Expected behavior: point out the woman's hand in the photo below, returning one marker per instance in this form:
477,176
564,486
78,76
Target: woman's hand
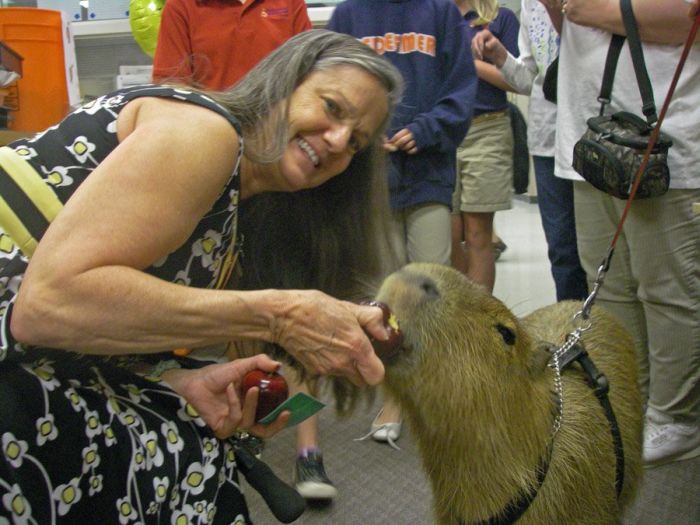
485,46
214,392
552,4
694,8
329,336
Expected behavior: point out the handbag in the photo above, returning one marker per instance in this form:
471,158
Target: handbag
521,153
610,152
549,83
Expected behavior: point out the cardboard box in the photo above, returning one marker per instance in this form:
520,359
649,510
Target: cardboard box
8,135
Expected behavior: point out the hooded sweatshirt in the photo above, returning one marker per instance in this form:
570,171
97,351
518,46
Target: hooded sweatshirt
428,41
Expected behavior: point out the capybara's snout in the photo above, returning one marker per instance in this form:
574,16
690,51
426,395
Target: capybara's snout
445,318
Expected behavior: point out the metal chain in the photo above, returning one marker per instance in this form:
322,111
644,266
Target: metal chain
581,322
571,339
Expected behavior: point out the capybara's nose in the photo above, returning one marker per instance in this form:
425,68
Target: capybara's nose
429,289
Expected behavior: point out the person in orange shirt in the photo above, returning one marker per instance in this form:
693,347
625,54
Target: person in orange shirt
213,43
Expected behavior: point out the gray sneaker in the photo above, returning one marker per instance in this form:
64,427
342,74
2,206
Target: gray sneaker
310,479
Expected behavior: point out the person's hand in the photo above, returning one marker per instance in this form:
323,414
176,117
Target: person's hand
214,392
485,46
389,146
552,4
402,140
330,337
694,8
586,12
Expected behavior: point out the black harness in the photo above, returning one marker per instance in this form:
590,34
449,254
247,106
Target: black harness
599,383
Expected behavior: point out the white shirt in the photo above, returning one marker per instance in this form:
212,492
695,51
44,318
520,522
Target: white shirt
538,43
581,63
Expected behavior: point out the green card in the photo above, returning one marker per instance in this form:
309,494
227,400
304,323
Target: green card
301,406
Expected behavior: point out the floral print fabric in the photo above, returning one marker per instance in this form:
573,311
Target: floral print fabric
83,438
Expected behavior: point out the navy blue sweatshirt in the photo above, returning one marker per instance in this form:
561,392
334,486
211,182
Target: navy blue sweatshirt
428,41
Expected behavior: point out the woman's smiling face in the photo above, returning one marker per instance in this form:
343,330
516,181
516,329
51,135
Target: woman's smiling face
333,114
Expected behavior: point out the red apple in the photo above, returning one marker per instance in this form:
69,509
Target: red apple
388,348
273,390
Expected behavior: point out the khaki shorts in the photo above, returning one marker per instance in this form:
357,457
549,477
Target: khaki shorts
485,166
422,234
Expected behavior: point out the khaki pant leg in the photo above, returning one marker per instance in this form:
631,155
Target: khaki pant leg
422,234
653,285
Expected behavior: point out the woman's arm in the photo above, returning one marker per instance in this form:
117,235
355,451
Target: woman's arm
517,73
659,21
85,290
555,11
491,74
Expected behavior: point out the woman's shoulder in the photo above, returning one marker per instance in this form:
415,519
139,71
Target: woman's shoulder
193,119
185,126
175,107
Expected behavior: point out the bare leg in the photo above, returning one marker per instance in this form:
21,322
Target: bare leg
391,411
458,258
307,430
478,232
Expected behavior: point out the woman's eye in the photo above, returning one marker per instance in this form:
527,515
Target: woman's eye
355,144
332,106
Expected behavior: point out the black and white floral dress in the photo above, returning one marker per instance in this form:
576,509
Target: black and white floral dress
85,439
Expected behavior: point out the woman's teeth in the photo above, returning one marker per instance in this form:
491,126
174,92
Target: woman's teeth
308,150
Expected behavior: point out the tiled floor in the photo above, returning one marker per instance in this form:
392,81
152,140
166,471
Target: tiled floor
523,278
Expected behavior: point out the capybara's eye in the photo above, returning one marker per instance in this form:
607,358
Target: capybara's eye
429,289
506,333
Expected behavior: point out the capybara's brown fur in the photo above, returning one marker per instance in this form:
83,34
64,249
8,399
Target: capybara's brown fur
481,403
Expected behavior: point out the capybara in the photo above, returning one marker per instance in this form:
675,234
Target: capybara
479,396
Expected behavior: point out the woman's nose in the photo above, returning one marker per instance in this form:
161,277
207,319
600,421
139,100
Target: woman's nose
338,137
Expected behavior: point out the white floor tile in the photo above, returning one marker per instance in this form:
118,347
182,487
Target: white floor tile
523,277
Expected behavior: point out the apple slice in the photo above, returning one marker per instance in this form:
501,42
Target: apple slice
390,347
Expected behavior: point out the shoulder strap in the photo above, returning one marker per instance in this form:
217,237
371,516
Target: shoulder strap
640,70
609,73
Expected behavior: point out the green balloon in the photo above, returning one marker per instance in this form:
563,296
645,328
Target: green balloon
144,18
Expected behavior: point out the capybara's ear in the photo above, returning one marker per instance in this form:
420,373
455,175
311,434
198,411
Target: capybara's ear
539,358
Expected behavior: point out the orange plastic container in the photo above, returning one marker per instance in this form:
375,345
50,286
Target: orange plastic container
37,35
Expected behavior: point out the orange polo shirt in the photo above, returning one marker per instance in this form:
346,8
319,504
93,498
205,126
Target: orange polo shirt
213,43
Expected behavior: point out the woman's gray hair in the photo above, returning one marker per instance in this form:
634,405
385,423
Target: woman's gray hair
259,100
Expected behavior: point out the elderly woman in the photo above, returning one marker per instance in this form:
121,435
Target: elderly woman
145,189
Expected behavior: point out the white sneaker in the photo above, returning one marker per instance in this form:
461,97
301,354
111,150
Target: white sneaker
666,441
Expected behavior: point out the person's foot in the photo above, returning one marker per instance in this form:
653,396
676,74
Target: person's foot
498,248
386,429
310,479
666,441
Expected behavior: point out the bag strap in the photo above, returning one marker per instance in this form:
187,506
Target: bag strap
640,70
